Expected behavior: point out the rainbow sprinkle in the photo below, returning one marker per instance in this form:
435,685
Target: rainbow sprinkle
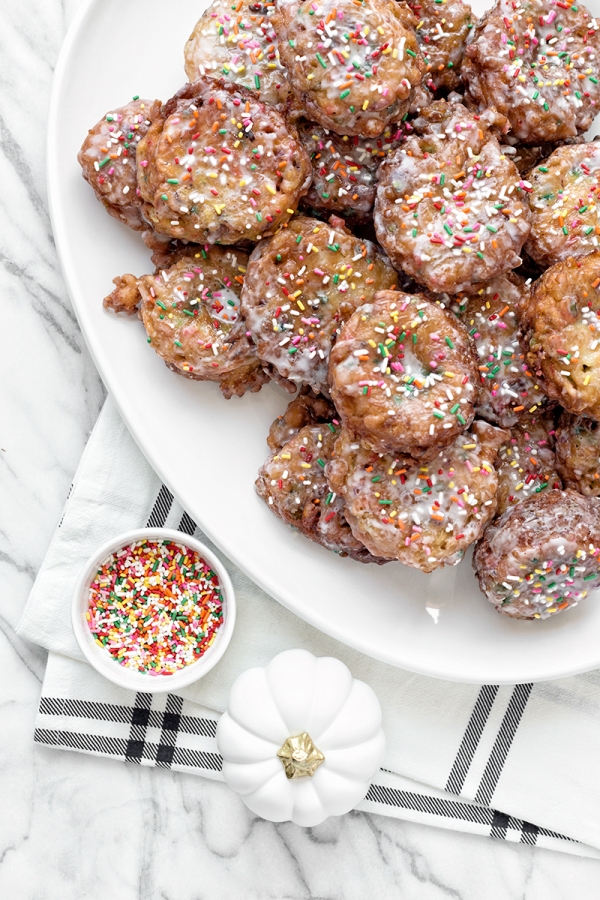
155,606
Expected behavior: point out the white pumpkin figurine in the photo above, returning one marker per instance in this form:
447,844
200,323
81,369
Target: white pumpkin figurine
301,739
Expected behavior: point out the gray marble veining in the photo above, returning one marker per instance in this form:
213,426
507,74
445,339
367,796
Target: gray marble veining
73,826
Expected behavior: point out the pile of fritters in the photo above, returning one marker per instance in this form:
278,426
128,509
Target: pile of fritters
390,210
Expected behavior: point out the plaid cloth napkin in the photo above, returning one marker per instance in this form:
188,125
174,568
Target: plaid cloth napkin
488,760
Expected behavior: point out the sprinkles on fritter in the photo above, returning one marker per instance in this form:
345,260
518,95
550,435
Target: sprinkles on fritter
451,208
537,62
237,41
352,65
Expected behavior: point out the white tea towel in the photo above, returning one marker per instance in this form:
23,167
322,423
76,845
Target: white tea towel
504,752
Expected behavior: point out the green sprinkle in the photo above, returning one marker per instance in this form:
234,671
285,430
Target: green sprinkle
257,82
438,414
449,342
589,577
104,162
455,409
344,94
259,217
331,428
178,344
595,80
411,52
292,350
546,107
188,312
385,502
299,238
565,230
161,304
492,228
321,60
329,499
321,462
536,94
480,254
447,229
164,197
376,478
461,419
172,180
589,229
414,232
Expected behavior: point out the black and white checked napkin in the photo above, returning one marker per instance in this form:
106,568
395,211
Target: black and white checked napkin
488,760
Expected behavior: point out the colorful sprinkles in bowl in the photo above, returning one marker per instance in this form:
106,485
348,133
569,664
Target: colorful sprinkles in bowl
155,605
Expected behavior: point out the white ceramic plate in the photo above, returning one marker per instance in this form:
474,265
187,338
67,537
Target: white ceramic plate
208,450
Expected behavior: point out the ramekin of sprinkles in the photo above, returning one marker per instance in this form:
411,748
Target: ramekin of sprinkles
153,610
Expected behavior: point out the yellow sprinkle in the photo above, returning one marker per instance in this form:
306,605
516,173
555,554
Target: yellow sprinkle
586,380
305,465
365,104
271,189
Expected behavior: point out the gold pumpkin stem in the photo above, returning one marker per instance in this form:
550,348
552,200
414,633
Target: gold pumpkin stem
299,756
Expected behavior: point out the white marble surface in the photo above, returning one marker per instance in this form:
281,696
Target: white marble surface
76,827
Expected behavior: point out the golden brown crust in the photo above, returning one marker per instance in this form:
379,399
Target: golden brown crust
442,32
317,43
403,375
526,463
108,159
126,297
563,202
292,482
239,44
220,166
301,285
562,333
424,516
307,408
542,556
449,209
578,453
515,47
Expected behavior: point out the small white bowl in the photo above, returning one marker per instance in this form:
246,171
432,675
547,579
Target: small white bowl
101,660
